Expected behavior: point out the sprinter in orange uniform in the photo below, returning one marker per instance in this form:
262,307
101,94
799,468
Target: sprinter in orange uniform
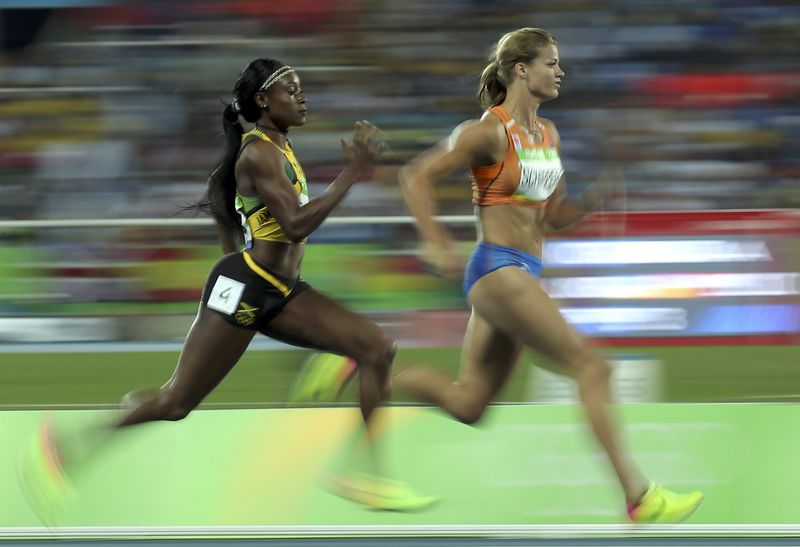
518,190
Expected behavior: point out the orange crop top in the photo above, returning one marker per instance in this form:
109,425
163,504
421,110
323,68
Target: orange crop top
527,175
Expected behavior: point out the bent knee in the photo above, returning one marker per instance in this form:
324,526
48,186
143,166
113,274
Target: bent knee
470,408
469,416
378,353
175,407
594,369
584,360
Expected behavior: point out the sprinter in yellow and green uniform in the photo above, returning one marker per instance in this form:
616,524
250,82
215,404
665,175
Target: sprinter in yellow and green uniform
257,194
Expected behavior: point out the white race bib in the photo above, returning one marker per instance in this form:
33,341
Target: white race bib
225,295
540,171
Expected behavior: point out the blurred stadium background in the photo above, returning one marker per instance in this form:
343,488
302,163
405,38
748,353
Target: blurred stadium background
111,111
110,119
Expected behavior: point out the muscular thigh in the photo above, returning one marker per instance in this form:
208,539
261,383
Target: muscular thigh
314,320
213,346
488,357
514,302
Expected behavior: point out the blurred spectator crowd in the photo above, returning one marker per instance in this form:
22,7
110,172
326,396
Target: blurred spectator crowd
113,109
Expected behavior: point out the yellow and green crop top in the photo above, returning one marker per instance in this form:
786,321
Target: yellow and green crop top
257,222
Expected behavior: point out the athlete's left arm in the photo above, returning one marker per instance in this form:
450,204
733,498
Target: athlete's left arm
560,211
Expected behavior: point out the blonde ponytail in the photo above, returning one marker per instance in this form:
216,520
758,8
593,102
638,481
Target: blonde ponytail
492,90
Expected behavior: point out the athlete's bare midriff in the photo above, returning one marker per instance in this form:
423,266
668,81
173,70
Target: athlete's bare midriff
518,226
280,258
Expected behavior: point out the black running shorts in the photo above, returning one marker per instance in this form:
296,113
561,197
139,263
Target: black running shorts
247,294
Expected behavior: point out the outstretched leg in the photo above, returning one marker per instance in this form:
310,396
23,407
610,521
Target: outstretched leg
511,300
212,348
487,359
515,303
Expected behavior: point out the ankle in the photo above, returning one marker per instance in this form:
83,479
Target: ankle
636,500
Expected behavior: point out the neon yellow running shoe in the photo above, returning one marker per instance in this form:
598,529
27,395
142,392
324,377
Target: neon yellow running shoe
41,475
322,378
661,506
378,493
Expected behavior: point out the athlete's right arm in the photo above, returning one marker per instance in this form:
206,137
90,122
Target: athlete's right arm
472,143
266,166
